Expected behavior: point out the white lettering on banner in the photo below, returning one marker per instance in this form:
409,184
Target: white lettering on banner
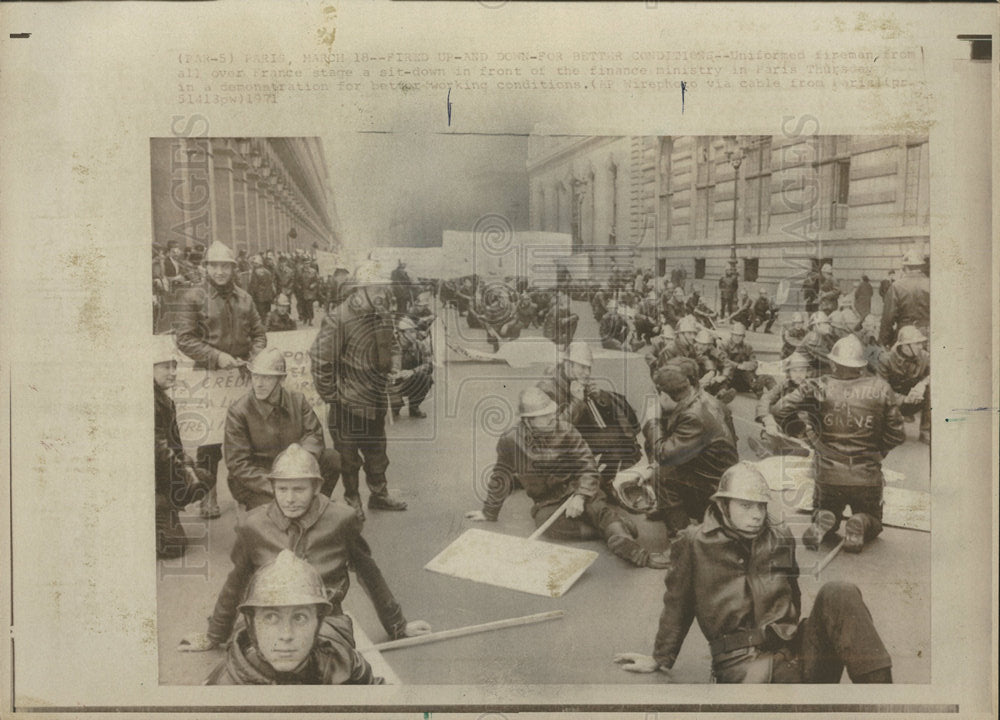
203,396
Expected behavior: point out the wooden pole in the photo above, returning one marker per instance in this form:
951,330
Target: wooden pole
552,518
828,559
469,630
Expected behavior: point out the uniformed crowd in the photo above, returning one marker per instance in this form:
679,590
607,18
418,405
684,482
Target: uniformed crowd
577,450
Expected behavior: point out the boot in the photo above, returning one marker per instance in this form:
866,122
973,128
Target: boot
622,545
854,534
823,522
416,412
727,395
384,502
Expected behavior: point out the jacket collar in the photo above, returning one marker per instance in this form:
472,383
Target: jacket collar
308,519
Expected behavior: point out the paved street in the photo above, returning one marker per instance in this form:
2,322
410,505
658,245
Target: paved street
437,466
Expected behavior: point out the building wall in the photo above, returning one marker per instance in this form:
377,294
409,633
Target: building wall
857,201
248,194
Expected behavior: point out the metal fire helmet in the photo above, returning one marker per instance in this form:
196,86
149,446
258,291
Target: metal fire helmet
913,259
743,481
738,329
219,252
164,348
580,352
286,582
634,495
818,317
534,403
283,300
848,352
270,361
295,463
909,335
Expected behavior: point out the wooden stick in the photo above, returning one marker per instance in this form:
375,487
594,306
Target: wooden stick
552,518
828,559
469,630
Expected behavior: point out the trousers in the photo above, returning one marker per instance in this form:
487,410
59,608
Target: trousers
361,442
839,634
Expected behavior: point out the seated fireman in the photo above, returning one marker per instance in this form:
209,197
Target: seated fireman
605,419
262,424
321,531
736,574
553,463
280,643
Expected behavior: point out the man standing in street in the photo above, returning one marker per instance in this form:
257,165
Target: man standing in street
352,360
857,424
907,302
728,285
829,291
262,424
218,327
261,286
817,343
863,297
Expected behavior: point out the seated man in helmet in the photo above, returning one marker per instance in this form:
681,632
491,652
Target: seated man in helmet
857,424
796,368
647,317
280,318
280,643
792,334
550,459
681,346
907,369
764,312
658,345
700,311
605,419
691,444
843,322
744,308
415,378
323,532
715,367
736,574
422,310
743,363
262,424
178,480
614,328
817,343
561,322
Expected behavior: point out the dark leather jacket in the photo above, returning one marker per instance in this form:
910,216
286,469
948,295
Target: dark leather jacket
550,467
352,357
728,584
907,302
327,536
257,431
858,424
214,319
696,439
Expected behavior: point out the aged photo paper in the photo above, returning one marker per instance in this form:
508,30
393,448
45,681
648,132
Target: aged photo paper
365,252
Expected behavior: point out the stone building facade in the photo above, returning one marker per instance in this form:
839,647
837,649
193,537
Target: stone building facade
857,202
249,193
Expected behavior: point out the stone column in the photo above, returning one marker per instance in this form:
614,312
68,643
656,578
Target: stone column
240,230
222,192
253,224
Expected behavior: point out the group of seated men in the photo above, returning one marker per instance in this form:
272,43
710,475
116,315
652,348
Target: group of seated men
576,450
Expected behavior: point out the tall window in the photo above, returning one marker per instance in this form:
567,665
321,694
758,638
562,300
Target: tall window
699,268
916,208
704,187
664,208
751,266
757,198
841,194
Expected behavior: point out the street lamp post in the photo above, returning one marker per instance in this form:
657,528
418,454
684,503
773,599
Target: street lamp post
735,152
